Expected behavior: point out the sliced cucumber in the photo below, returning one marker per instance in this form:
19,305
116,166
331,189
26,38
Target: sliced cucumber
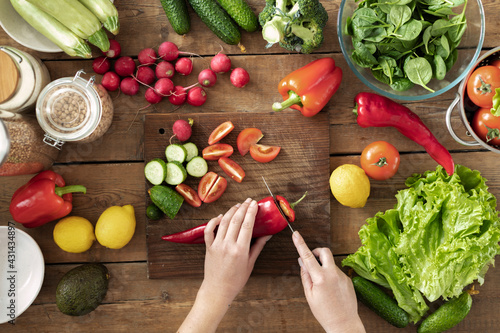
176,173
191,149
155,171
176,152
197,167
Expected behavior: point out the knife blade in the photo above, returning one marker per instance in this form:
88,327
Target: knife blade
277,204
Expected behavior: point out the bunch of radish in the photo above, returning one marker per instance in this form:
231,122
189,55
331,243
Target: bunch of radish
155,71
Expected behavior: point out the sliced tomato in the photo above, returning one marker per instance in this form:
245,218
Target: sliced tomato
216,151
220,132
247,138
206,184
189,195
216,190
232,169
264,154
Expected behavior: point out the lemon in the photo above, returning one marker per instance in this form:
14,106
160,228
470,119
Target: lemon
115,226
74,234
350,185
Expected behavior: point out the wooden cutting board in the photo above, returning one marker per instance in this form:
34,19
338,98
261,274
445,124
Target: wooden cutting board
302,165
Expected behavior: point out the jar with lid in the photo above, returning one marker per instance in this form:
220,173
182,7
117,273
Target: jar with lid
74,109
28,154
22,78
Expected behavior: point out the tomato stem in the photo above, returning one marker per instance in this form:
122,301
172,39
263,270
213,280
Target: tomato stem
485,87
381,162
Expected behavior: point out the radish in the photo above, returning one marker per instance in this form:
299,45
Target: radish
182,129
220,63
164,69
184,66
152,97
101,65
129,86
196,96
147,56
169,51
145,75
178,96
239,77
114,49
164,86
110,81
124,66
207,77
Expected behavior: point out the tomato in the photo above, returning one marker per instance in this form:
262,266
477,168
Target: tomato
232,169
247,138
189,195
211,187
481,85
495,63
264,154
486,126
216,151
220,132
380,160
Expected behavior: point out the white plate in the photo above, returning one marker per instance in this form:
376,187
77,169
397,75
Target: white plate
29,268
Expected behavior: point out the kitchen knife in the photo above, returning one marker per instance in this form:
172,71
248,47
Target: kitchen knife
277,204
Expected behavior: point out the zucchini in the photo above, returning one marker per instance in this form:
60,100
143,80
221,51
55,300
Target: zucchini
176,173
177,15
447,315
167,199
106,12
217,20
52,29
241,13
381,303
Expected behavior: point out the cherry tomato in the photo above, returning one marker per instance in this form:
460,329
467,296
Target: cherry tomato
216,151
487,126
247,138
220,132
211,187
380,160
189,195
495,63
481,85
264,154
232,169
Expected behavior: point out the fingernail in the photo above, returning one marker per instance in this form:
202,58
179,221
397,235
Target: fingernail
269,237
237,205
253,203
295,234
300,262
220,215
248,200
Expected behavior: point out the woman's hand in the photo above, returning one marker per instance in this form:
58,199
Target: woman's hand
328,290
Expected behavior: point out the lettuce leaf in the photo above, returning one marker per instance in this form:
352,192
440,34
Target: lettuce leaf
442,234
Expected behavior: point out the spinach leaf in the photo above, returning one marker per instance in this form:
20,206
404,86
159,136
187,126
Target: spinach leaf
409,30
419,71
380,76
401,84
399,15
440,67
426,38
387,64
450,61
440,27
442,46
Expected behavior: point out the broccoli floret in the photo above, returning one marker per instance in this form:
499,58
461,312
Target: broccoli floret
297,25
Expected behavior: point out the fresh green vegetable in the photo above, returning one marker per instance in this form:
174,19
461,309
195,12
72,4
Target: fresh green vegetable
52,29
442,234
495,110
295,25
153,212
381,303
176,173
167,199
191,150
106,12
447,315
241,13
197,167
176,152
217,20
156,171
178,15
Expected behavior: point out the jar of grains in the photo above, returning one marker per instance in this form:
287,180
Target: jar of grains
74,109
22,78
27,154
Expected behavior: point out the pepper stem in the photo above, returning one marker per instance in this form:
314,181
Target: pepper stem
293,98
292,205
355,110
60,191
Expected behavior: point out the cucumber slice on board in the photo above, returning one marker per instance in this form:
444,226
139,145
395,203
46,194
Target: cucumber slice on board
176,173
191,149
176,153
197,167
155,171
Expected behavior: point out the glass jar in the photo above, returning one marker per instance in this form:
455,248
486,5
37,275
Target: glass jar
22,78
74,109
4,142
28,154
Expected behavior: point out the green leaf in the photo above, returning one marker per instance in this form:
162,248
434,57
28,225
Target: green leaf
401,84
387,64
450,61
440,67
419,71
399,15
495,110
440,27
426,38
410,30
442,47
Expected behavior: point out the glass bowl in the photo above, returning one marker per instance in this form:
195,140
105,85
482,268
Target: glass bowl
468,52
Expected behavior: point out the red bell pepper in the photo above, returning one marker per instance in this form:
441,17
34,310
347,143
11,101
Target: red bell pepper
43,199
309,88
268,221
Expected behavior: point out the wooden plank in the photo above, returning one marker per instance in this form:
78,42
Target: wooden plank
304,153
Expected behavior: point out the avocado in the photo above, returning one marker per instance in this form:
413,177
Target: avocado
82,289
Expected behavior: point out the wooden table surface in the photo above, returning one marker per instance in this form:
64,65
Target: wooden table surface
112,170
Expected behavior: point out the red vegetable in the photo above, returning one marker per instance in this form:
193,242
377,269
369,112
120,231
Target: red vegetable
487,126
373,110
215,151
247,138
220,132
263,153
239,77
211,187
189,195
232,169
380,160
43,199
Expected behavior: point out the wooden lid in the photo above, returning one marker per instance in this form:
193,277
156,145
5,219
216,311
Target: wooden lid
9,77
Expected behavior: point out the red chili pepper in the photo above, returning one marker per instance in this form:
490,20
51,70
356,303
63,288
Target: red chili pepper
268,221
43,199
373,110
309,88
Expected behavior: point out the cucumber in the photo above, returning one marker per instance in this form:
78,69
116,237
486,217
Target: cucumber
447,315
153,212
241,13
167,199
197,167
177,15
381,303
176,152
191,149
217,20
155,171
176,173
